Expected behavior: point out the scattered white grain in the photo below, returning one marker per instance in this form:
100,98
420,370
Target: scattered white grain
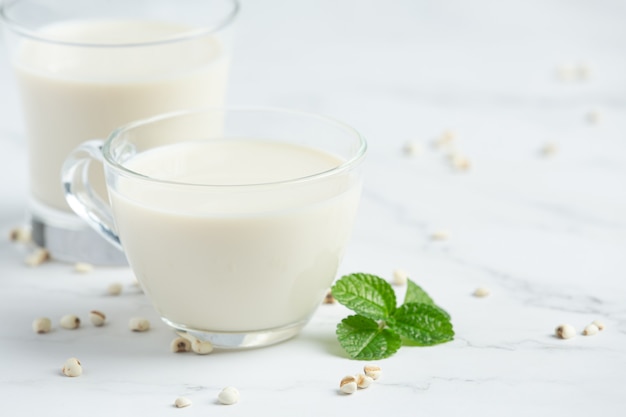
440,235
70,322
599,324
444,140
180,345
201,347
114,288
567,72
348,385
139,324
196,345
549,149
329,298
83,267
182,402
97,318
400,277
481,292
590,330
459,162
363,381
228,396
565,331
20,235
42,325
373,371
412,148
37,257
72,367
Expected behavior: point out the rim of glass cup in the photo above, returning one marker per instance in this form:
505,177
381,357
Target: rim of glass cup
195,33
346,165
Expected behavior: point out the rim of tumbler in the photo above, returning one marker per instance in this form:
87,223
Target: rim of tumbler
19,29
346,165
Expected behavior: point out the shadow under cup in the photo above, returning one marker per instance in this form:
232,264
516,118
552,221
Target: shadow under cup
234,221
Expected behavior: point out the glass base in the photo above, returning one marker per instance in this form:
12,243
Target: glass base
242,340
68,238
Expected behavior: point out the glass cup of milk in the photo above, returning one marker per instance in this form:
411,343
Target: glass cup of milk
84,68
234,221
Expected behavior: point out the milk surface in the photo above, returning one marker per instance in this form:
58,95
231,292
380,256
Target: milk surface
228,257
75,93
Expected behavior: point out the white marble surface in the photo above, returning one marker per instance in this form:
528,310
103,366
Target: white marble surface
546,235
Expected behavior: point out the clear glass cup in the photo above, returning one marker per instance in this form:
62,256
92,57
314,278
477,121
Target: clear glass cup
84,68
234,221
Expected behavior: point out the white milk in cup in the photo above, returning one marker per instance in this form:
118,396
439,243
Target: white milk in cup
233,221
84,68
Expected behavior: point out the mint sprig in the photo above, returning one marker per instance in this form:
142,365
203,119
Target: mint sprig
379,328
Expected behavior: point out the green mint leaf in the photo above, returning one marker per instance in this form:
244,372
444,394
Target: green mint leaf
422,324
362,338
415,294
365,294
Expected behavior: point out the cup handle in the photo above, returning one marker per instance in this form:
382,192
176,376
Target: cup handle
81,196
